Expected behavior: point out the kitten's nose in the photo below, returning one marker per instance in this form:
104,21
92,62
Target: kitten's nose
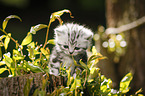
71,52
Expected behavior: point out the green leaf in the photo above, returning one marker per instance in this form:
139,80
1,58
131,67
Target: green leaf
94,59
76,84
32,51
7,19
17,55
2,63
75,62
2,36
56,15
105,86
7,40
27,39
124,84
45,52
93,74
2,70
32,45
94,51
8,61
33,68
84,65
70,79
51,41
36,28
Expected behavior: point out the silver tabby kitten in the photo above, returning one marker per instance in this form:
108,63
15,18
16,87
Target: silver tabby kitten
71,40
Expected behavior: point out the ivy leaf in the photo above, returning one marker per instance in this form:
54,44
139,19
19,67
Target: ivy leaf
36,28
124,84
7,40
7,19
27,39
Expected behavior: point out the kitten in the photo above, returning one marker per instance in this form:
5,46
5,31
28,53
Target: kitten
71,40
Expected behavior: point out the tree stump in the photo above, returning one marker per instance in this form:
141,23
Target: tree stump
15,86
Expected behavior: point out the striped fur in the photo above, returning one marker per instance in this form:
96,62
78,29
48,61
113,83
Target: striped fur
71,40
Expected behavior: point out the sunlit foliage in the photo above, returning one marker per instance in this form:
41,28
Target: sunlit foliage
89,81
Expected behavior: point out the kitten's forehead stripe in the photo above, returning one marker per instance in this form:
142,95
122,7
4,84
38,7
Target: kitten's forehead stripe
74,34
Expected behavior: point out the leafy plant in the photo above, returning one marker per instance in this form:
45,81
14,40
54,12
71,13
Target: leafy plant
15,62
89,82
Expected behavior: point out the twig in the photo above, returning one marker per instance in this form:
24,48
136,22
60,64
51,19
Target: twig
126,27
12,40
46,38
85,79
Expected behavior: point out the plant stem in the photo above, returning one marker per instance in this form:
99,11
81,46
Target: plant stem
12,40
46,38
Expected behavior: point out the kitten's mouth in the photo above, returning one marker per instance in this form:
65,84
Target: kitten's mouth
73,54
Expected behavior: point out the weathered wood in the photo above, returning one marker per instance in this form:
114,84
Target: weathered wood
14,86
119,13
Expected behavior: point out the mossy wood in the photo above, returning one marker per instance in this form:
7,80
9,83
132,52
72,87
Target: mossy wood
16,86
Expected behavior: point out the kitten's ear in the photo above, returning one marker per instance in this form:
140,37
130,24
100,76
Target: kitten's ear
90,37
89,34
58,32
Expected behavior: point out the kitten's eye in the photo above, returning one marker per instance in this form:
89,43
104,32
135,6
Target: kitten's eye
77,48
65,46
85,48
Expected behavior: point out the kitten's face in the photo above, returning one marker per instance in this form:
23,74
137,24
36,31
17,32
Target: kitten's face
72,39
